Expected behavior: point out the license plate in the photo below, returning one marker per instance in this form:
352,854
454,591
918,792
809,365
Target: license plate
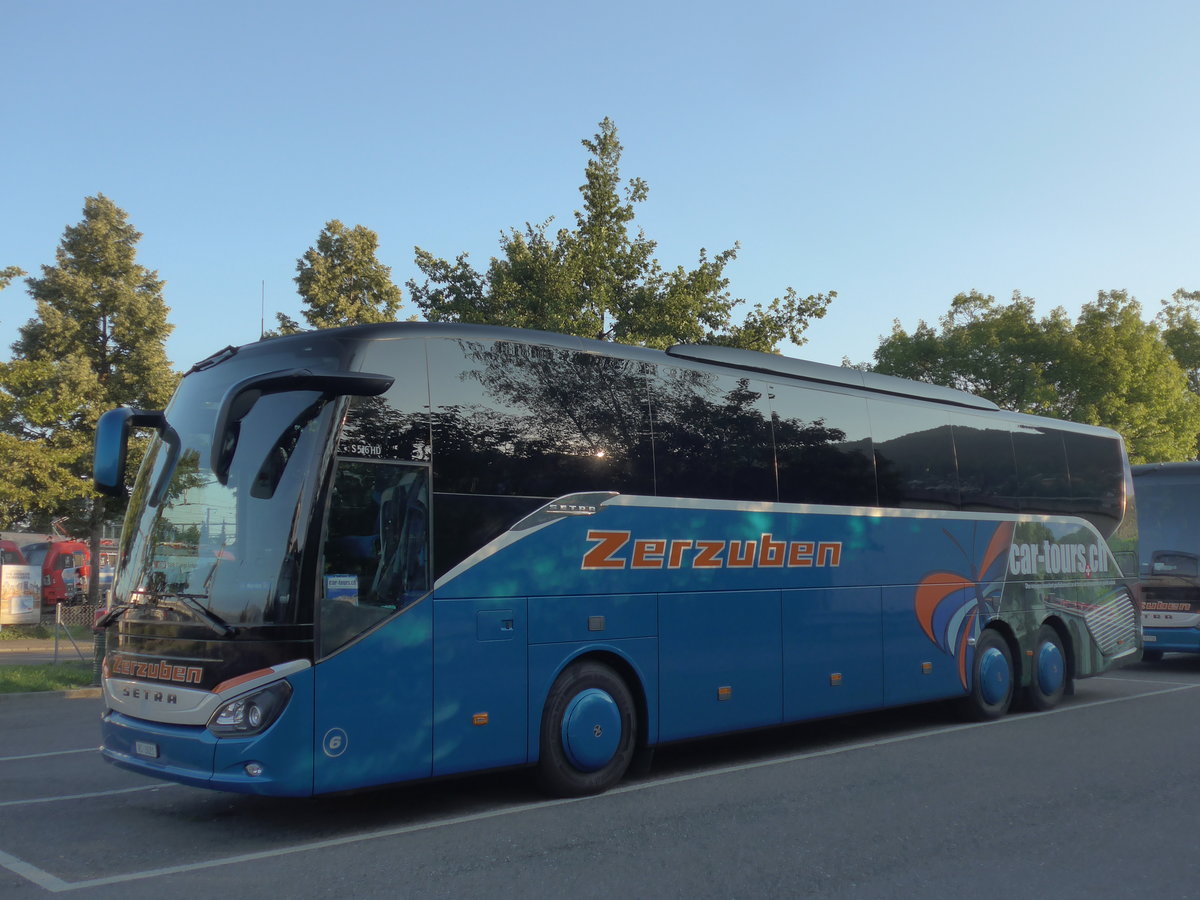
145,748
1149,638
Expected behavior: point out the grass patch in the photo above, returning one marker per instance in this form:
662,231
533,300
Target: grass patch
45,631
26,632
47,677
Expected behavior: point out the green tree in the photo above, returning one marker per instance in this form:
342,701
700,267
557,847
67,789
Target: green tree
1179,319
342,282
1108,367
601,280
97,341
8,274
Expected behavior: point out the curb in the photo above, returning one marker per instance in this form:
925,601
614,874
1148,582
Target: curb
88,693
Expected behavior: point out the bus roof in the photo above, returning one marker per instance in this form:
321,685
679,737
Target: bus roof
818,374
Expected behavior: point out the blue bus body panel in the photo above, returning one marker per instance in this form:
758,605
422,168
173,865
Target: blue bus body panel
832,652
193,755
480,666
373,714
1172,640
721,663
570,619
907,652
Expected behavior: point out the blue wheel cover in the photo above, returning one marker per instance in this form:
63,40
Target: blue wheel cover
994,676
1050,668
591,730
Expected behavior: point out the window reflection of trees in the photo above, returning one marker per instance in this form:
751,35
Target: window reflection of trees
512,425
549,421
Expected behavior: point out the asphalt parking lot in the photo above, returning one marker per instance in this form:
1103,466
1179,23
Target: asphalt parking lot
894,804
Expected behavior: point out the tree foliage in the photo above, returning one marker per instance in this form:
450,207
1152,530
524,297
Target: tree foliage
1109,367
1179,319
342,282
7,275
601,279
97,341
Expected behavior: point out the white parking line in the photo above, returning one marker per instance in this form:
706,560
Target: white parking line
55,884
130,790
4,759
1147,680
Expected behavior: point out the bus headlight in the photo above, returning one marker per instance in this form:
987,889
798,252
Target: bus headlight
251,713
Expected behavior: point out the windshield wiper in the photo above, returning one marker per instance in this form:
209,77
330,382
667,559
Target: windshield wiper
191,601
211,618
113,614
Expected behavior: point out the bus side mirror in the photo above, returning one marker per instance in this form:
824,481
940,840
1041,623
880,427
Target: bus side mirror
112,441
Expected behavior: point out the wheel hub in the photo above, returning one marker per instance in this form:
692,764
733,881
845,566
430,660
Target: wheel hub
591,730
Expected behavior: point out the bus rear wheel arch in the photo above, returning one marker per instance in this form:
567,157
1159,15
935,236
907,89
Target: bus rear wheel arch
589,731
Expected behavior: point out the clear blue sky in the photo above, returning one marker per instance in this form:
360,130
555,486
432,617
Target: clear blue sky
897,153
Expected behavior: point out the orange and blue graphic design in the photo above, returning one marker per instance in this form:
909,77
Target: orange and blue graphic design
952,607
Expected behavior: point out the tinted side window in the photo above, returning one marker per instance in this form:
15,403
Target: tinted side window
712,436
822,447
987,472
1097,478
395,425
914,456
527,420
376,554
1043,481
465,522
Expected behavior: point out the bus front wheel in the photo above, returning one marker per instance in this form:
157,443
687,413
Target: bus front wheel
1049,681
589,731
991,679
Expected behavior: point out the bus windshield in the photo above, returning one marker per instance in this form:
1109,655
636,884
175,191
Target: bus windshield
1168,524
226,552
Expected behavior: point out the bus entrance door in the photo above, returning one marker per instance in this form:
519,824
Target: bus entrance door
374,682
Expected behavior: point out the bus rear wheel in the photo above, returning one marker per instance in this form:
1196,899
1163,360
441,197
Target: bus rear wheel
589,731
991,679
1049,681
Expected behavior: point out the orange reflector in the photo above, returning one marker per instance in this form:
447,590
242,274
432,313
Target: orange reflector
479,719
835,678
724,692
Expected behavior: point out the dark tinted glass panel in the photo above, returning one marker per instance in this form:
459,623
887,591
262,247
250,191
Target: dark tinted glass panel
376,555
712,436
463,523
1043,482
1168,512
1097,478
822,447
914,456
394,425
529,420
987,474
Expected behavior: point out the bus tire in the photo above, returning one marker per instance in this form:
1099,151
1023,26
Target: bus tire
589,731
1049,679
991,691
1151,655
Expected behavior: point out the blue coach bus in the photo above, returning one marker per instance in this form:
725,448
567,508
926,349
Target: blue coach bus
1169,545
367,555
